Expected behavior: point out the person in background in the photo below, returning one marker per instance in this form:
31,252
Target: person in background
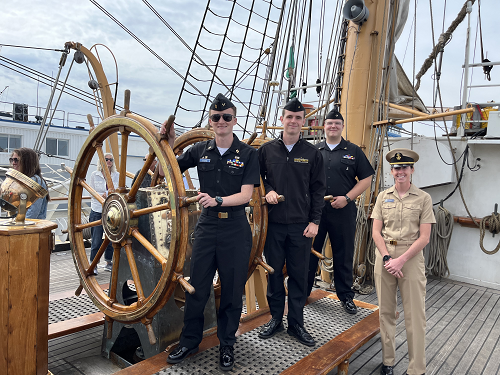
291,166
26,161
146,182
348,175
98,183
402,220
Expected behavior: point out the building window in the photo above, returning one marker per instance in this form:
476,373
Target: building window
9,143
59,147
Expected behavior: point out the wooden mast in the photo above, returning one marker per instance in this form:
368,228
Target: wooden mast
362,75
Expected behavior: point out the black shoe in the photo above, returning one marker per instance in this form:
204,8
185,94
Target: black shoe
271,328
301,334
386,370
349,306
178,354
226,358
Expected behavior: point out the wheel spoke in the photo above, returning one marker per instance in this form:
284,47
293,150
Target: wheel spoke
123,158
105,169
149,210
92,192
135,187
149,247
188,179
104,245
133,270
114,273
80,227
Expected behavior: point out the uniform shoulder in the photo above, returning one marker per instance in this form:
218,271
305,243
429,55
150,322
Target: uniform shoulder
270,143
310,145
247,147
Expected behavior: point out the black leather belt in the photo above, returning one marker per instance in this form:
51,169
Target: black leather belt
223,215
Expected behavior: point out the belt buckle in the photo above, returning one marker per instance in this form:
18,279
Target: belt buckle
393,242
223,215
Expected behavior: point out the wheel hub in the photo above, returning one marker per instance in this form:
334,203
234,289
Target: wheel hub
116,217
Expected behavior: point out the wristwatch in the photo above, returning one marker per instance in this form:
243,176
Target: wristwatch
349,200
219,200
386,258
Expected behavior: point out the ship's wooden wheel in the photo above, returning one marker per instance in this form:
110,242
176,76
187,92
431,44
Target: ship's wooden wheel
120,221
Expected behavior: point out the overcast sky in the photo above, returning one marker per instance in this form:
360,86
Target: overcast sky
155,88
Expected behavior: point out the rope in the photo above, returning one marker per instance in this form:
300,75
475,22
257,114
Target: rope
443,40
436,263
494,221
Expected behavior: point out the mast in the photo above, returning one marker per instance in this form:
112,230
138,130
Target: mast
364,56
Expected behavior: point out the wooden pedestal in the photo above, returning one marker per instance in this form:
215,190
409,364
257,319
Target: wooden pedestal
24,298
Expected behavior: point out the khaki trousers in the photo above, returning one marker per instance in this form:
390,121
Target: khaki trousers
412,289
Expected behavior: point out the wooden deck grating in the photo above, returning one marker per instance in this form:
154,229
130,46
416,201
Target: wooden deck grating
463,331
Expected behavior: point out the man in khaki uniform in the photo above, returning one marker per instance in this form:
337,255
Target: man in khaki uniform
402,219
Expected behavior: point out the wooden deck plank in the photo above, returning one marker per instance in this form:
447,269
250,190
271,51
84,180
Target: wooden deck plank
488,315
490,353
81,323
444,336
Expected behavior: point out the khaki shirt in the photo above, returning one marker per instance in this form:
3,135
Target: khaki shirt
402,217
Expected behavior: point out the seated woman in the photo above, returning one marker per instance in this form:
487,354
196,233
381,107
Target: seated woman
402,220
26,161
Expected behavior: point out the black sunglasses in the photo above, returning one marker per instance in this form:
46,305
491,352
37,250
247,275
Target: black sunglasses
108,159
12,160
226,117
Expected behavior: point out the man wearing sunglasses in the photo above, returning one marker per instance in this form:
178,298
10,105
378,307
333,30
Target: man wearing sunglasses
291,166
348,175
228,170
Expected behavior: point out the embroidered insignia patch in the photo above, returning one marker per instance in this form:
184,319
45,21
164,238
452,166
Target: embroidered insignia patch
348,156
300,160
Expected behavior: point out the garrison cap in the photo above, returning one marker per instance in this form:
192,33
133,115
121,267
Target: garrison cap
401,156
294,106
221,103
334,115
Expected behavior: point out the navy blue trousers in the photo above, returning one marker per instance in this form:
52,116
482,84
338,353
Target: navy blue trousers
96,234
286,243
223,245
340,224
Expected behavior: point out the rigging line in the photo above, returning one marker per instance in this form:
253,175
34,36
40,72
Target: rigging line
40,48
474,57
42,75
267,51
414,60
238,23
217,63
350,71
140,41
254,12
97,98
39,145
320,36
443,40
241,55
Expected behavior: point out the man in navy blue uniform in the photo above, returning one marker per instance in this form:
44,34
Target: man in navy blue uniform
293,167
348,175
228,170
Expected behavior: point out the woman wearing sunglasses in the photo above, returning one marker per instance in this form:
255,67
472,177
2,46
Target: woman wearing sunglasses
25,160
402,219
98,183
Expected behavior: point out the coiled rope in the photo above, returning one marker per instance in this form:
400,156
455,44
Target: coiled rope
494,223
436,263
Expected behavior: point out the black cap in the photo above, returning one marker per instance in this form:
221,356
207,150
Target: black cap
221,103
334,115
294,106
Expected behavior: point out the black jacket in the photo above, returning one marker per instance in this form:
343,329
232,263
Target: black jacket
299,175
